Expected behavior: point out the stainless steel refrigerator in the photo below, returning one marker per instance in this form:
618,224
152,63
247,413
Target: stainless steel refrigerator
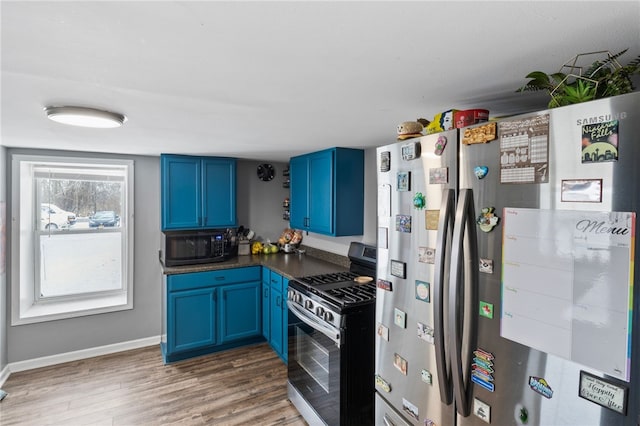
507,291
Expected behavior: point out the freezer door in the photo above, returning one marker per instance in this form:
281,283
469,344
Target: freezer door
512,370
409,204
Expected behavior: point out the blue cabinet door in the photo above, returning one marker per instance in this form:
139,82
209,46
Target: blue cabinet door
219,192
240,311
276,321
321,192
285,321
327,192
299,187
266,314
191,318
181,192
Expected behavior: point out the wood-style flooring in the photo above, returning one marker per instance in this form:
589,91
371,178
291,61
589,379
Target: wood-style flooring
245,386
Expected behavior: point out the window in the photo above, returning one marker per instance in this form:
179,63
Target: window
73,236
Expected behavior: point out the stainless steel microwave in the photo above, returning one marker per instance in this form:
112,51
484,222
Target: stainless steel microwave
194,247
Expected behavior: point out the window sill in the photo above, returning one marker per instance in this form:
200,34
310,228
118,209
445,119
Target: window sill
70,309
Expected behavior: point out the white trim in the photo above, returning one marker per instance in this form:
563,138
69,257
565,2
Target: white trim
4,375
46,361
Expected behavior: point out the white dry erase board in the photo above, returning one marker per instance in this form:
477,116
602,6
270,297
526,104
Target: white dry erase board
567,284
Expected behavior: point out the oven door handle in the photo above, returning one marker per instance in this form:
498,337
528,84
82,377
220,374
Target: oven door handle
330,332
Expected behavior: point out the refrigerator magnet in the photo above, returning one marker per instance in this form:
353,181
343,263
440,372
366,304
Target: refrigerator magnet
425,333
403,223
600,142
404,181
431,219
423,291
410,409
603,392
385,161
482,410
487,219
426,377
383,331
440,144
384,285
541,386
480,171
486,266
400,318
486,310
383,384
400,363
419,201
426,255
410,151
398,269
439,175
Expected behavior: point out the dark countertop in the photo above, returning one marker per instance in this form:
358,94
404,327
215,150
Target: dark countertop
288,265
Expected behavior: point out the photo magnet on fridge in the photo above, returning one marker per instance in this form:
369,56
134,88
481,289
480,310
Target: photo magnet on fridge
383,331
425,333
423,291
438,175
400,363
385,161
426,255
404,181
400,318
486,266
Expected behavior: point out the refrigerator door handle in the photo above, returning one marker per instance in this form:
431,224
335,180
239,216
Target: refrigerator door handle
463,299
445,225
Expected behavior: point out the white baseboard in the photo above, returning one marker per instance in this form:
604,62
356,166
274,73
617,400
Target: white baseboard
46,361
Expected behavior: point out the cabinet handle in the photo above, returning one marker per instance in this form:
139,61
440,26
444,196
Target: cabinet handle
220,278
266,292
278,301
214,296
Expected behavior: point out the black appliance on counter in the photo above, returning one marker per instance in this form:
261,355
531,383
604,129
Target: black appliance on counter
331,342
194,247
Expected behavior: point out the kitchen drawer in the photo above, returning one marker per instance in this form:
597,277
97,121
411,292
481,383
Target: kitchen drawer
275,280
193,280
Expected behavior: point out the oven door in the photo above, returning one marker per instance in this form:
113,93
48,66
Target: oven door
314,364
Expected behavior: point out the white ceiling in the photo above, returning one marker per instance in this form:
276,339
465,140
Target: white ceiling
268,80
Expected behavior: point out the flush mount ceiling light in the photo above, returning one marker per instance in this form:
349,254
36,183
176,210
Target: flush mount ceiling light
85,117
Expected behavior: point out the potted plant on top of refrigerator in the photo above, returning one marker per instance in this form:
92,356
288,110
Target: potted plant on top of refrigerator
603,78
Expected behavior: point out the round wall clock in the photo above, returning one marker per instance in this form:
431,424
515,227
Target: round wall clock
265,172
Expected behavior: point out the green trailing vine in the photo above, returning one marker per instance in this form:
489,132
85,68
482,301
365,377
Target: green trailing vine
602,79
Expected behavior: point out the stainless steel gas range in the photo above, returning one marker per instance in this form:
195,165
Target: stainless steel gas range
331,342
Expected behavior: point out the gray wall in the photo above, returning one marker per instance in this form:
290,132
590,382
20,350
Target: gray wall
3,274
31,341
260,203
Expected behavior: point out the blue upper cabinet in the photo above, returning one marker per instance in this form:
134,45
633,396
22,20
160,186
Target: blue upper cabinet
327,192
197,192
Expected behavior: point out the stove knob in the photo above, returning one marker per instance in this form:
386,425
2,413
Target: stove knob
328,316
308,304
320,311
298,298
291,295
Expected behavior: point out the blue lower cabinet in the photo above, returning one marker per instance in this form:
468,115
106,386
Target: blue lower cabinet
266,319
193,315
240,311
278,312
206,312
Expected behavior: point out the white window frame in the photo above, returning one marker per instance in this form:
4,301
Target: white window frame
26,308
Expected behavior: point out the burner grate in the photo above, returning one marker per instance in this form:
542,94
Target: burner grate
355,293
334,277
